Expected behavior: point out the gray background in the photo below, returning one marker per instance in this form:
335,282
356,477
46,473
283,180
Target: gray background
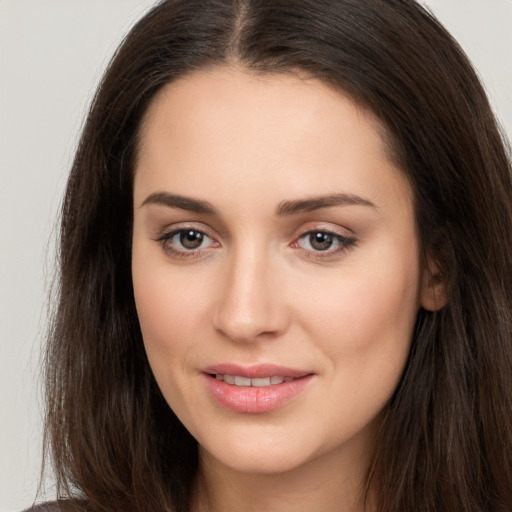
52,53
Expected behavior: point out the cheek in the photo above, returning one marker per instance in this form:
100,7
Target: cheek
169,313
365,331
365,318
169,310
168,307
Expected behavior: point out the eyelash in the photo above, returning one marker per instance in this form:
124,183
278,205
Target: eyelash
165,240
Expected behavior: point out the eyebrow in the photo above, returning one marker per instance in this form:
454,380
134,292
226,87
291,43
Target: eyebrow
181,202
286,208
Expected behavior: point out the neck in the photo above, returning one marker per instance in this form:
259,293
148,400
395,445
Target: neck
330,483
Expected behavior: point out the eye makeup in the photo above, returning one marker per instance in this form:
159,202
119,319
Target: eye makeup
191,242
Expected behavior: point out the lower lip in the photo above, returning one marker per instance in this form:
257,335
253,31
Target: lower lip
255,400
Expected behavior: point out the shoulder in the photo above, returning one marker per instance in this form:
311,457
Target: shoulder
59,506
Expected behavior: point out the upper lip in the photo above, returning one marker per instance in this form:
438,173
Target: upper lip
257,371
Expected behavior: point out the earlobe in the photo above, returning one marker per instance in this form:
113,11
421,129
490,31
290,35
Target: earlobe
434,294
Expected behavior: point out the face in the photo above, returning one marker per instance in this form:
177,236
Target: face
275,267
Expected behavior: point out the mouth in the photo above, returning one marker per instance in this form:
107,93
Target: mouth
255,389
259,382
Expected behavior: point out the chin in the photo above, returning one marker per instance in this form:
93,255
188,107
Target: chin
262,456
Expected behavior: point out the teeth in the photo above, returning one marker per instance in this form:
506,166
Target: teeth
257,383
242,381
229,379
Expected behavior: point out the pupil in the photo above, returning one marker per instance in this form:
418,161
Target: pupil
191,239
320,241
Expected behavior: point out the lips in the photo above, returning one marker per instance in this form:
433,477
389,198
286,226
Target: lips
260,382
254,389
255,371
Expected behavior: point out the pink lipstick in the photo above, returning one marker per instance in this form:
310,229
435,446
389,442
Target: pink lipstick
254,389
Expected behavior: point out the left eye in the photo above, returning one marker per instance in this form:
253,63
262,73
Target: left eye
323,241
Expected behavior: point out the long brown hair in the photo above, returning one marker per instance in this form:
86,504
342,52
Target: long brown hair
445,444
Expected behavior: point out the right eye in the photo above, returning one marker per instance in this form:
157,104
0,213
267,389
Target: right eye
190,239
185,242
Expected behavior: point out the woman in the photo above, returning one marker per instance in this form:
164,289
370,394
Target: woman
285,269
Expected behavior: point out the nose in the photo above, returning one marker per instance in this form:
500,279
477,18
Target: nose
250,304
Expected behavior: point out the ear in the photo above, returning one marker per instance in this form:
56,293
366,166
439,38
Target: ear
434,293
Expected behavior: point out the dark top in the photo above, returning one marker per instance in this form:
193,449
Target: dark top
59,506
45,507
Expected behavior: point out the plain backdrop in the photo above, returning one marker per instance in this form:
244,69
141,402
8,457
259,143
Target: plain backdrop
52,53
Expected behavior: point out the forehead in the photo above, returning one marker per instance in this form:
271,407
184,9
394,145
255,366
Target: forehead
264,100
253,129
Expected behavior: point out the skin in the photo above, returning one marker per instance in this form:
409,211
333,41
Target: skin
258,291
